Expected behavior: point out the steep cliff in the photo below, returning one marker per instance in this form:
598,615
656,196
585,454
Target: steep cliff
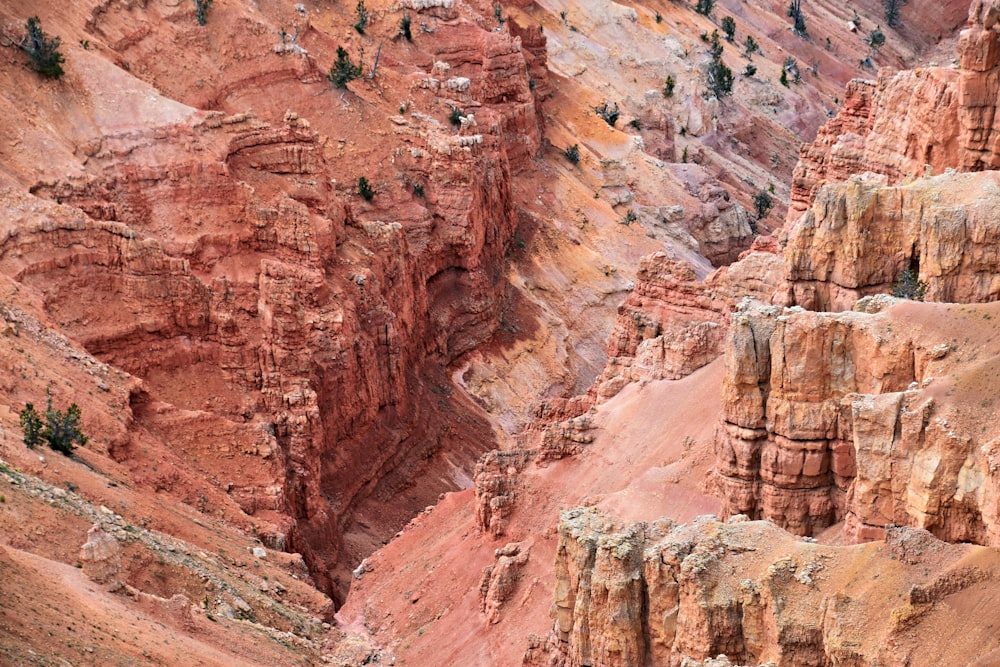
861,235
261,300
876,418
911,122
637,593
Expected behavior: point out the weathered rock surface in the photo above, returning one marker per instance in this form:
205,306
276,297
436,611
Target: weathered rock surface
672,323
911,122
828,417
859,237
281,325
500,580
711,593
101,559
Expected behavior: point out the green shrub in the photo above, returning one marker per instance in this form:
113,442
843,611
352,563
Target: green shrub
909,286
201,9
704,7
608,113
456,116
61,430
365,189
751,46
762,204
798,20
362,13
32,426
43,51
343,70
668,86
729,27
892,9
573,153
404,28
720,77
876,39
749,70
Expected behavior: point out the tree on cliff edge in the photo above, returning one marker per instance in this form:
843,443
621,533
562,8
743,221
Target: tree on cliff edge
892,10
60,430
43,50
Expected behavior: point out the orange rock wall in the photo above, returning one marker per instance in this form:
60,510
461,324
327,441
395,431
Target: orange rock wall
826,419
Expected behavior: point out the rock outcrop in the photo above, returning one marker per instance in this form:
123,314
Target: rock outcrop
712,593
828,417
101,558
281,324
861,235
911,122
672,323
500,580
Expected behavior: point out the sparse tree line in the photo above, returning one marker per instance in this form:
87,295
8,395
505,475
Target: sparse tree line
55,428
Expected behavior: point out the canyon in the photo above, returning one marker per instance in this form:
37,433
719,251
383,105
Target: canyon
383,372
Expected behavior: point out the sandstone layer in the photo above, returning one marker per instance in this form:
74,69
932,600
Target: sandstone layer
859,237
873,418
636,593
911,122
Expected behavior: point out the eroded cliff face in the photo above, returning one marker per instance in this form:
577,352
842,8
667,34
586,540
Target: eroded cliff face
853,417
911,122
261,300
637,593
861,235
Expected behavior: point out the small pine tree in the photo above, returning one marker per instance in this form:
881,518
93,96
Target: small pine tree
720,77
892,9
64,429
343,70
751,46
61,430
201,9
362,14
365,189
729,27
668,86
876,39
31,425
762,204
798,20
784,78
704,7
44,52
456,116
749,70
404,28
909,286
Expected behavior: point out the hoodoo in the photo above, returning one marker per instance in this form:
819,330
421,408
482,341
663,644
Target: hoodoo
447,332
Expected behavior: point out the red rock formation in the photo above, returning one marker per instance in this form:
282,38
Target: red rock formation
671,324
748,592
101,559
500,580
276,322
826,418
908,122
